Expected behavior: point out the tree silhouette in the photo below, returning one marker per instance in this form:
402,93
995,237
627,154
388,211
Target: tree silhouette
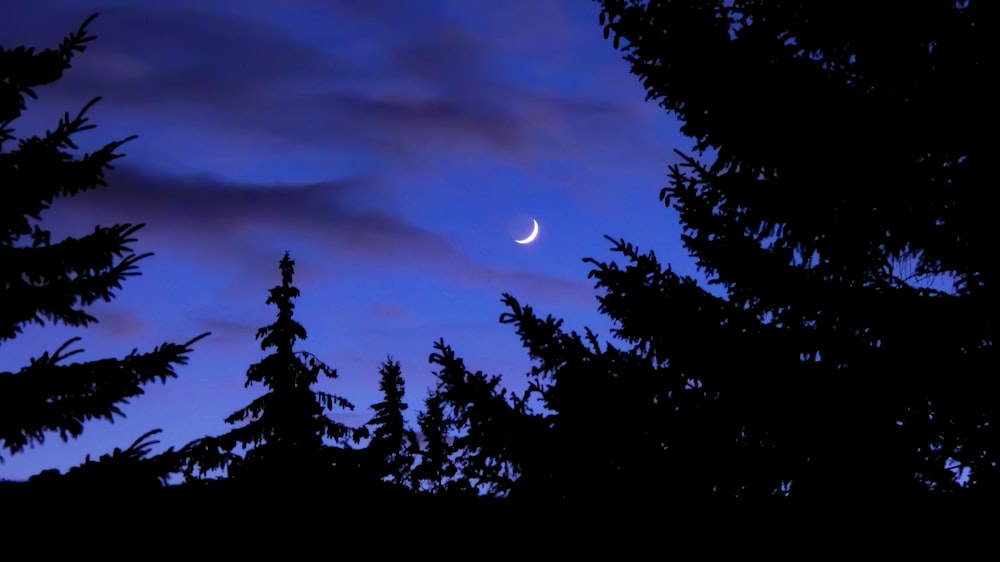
435,470
486,424
392,444
836,200
129,470
286,429
42,280
605,416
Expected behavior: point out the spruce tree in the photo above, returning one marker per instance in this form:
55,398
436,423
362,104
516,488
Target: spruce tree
836,197
603,418
392,443
45,280
285,432
486,424
435,470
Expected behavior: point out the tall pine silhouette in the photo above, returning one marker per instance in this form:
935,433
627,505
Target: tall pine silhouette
836,199
285,432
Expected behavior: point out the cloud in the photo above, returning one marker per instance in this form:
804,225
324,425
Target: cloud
385,312
120,325
145,54
215,218
376,84
246,226
229,334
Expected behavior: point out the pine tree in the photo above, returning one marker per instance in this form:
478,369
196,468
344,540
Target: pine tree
44,280
837,199
435,470
285,431
487,424
392,443
605,416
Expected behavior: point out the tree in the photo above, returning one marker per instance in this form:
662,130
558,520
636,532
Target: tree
487,425
605,417
42,280
286,429
435,470
392,443
837,200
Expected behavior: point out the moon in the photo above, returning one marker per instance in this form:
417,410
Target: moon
531,237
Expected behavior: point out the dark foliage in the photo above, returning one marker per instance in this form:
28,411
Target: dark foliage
485,422
286,429
393,445
838,202
45,280
130,470
436,469
602,431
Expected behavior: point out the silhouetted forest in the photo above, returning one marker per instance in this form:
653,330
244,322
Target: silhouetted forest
834,197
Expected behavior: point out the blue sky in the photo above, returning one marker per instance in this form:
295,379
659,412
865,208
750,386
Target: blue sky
396,148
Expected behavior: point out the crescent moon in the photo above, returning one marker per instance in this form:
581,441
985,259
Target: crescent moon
531,237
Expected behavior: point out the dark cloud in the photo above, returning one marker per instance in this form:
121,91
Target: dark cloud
418,85
228,333
220,222
214,218
146,54
121,325
384,312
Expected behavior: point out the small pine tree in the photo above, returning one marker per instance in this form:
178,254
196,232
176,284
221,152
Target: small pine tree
436,469
392,442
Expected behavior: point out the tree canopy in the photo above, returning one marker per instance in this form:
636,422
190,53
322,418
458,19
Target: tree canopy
836,198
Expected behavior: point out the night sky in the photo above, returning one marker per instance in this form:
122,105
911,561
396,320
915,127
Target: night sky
395,148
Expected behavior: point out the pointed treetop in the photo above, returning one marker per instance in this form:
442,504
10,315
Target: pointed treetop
285,331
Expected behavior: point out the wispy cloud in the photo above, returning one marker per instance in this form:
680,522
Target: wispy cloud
221,222
408,97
